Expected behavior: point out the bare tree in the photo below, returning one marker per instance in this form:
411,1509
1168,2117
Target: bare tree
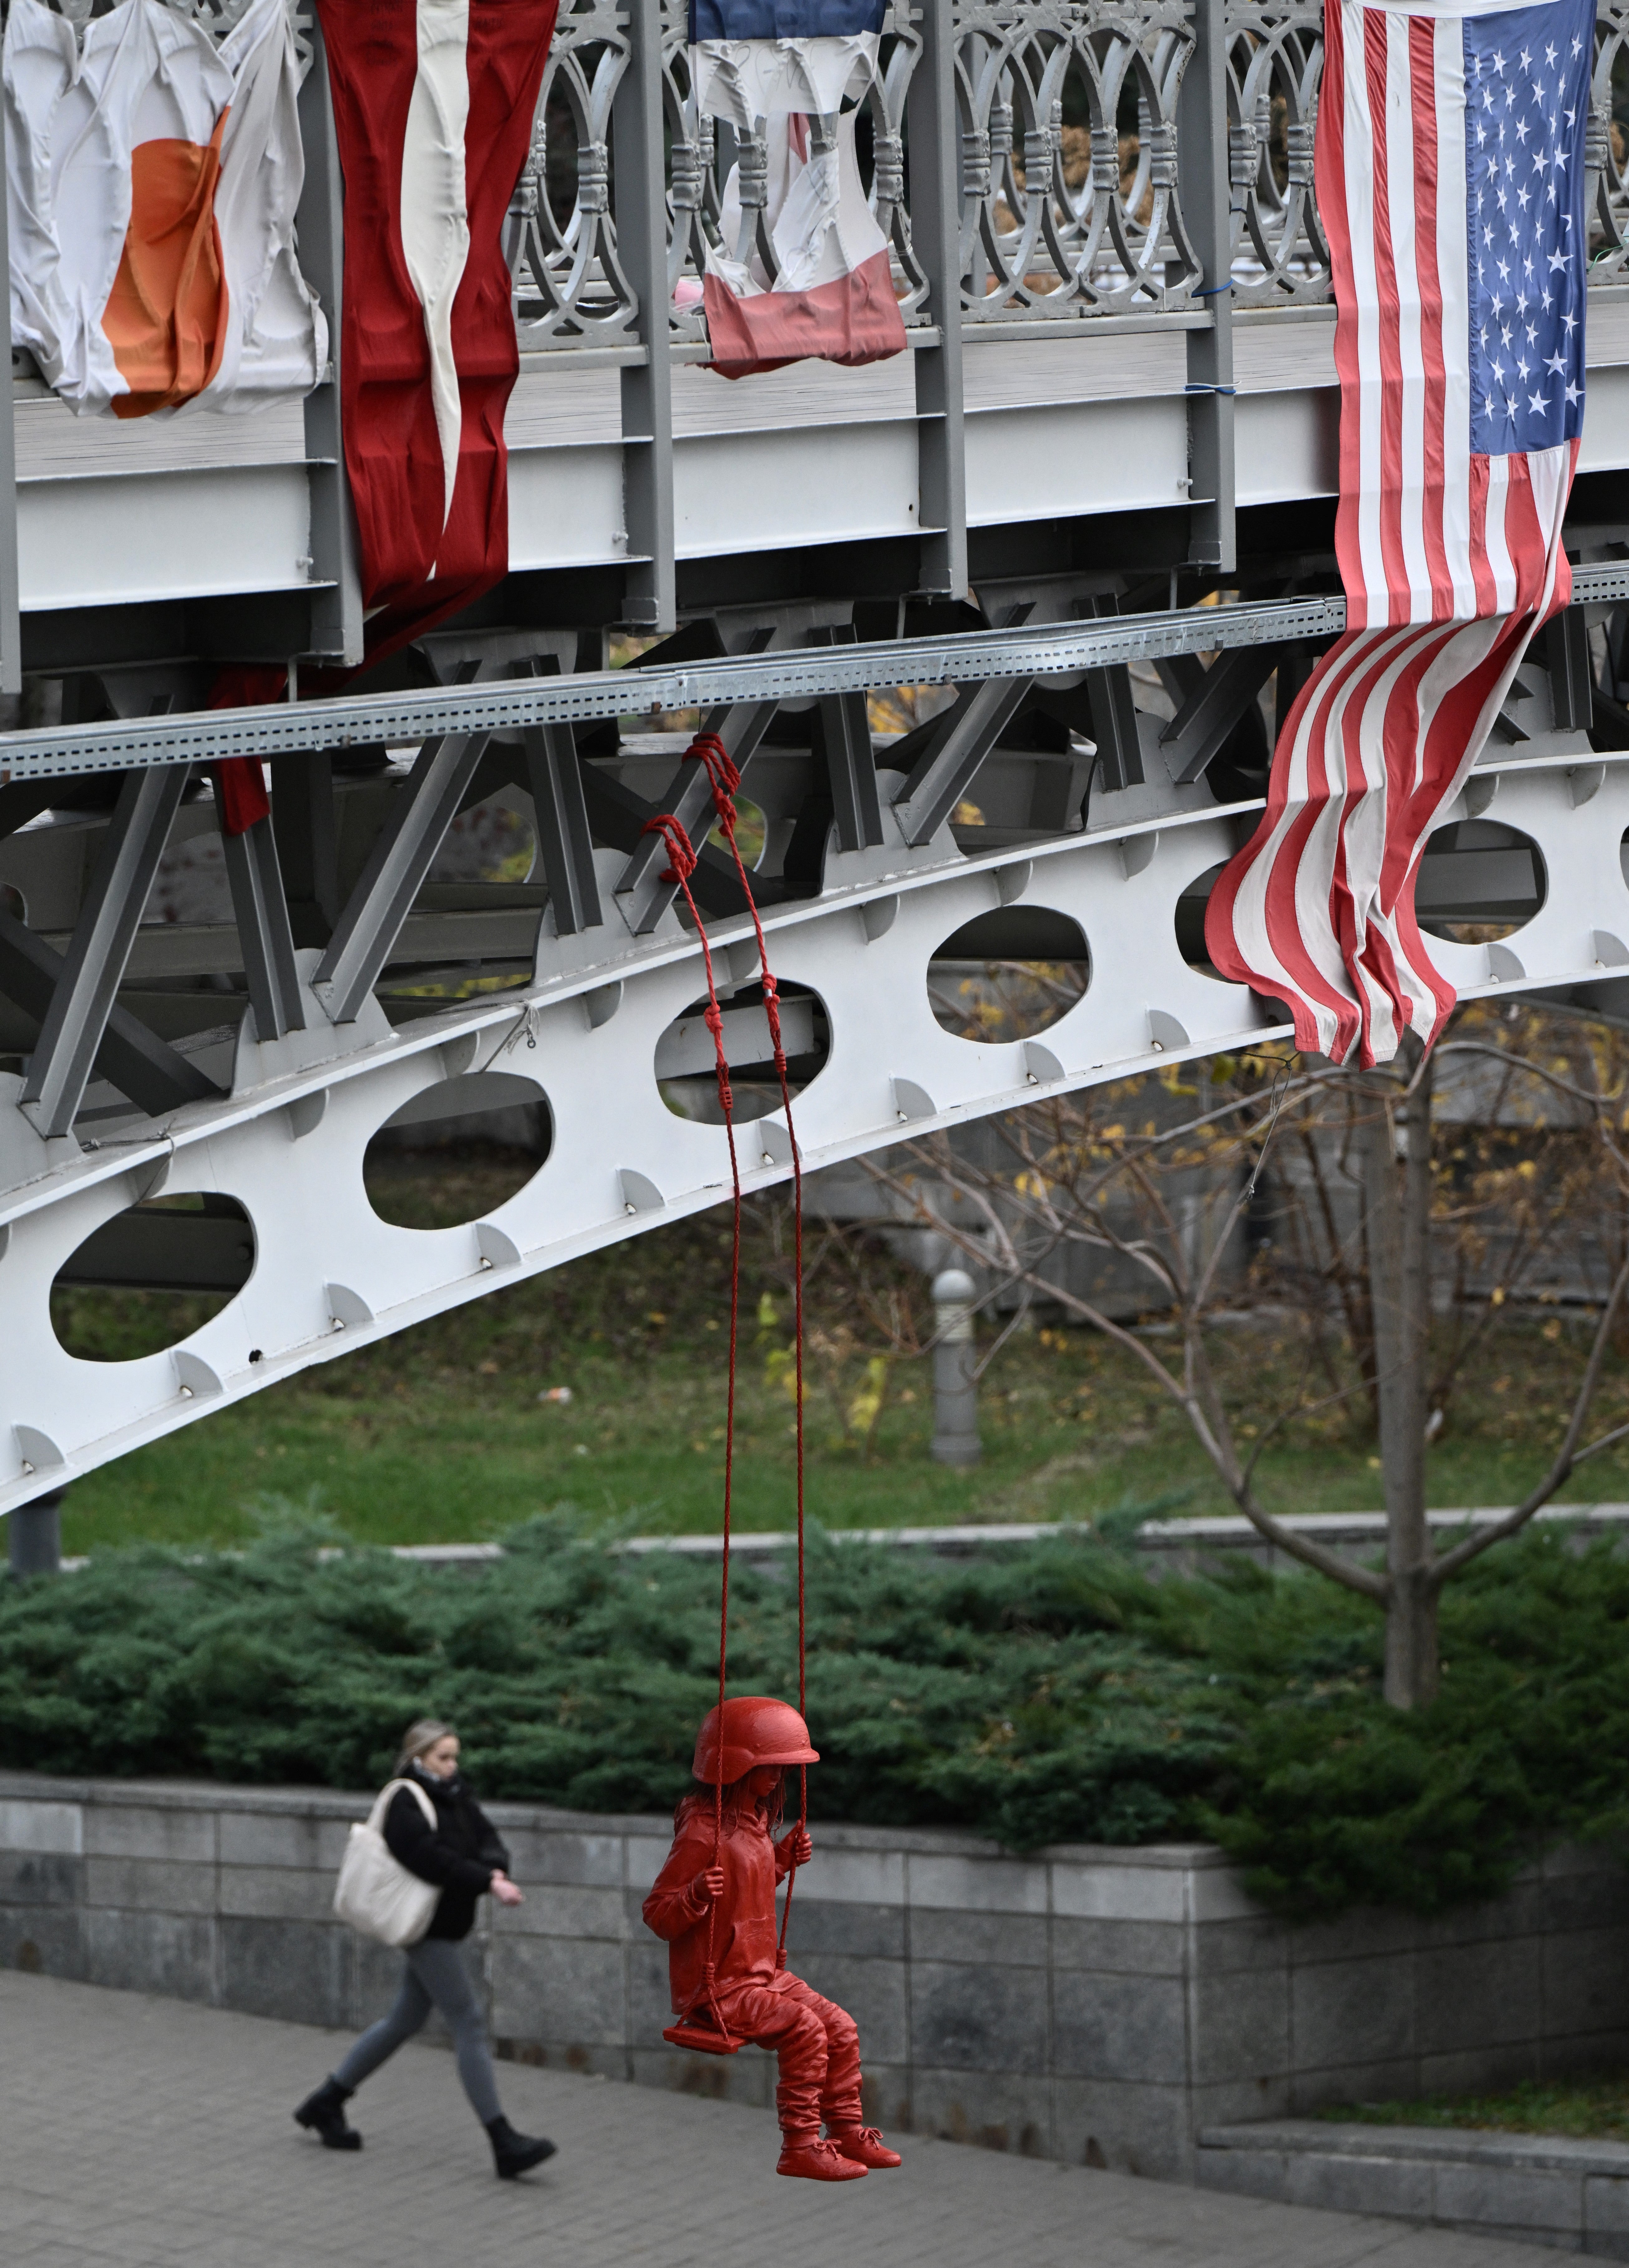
1373,1181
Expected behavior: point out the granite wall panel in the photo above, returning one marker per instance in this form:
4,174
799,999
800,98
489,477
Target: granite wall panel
1096,2007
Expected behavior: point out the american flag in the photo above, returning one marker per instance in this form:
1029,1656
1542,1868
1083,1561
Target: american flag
1450,182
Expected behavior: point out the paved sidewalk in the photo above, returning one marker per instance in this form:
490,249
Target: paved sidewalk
146,2134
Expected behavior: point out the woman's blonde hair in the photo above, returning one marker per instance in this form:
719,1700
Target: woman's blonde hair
422,1733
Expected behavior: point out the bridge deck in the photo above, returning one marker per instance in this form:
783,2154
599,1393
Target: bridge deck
1067,427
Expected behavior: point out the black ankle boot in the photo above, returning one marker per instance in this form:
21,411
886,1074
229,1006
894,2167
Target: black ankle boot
324,2114
513,2153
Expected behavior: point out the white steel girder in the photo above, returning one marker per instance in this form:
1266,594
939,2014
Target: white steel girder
288,1145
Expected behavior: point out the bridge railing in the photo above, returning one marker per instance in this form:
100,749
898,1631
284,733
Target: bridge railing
1072,172
1275,61
1041,169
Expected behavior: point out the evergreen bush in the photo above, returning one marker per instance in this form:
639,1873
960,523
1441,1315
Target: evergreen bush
1043,1694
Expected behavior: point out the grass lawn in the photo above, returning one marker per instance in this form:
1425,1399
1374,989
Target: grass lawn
1593,2110
438,1435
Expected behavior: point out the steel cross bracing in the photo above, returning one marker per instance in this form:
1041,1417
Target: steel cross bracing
524,703
606,1007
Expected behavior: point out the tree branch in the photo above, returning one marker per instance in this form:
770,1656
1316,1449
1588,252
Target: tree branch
1566,1457
1311,1554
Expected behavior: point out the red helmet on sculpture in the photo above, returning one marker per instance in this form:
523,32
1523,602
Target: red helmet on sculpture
758,1731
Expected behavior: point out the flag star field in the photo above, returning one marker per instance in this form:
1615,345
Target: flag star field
1527,95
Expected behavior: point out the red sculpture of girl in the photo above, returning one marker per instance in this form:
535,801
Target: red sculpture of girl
716,1910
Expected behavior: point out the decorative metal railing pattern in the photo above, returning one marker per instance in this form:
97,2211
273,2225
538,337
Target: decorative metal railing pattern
1071,163
569,288
1275,62
1069,169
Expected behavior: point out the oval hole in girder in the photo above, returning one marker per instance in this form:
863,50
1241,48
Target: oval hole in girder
752,833
151,1276
1480,881
458,1150
487,843
685,1077
1190,906
1008,974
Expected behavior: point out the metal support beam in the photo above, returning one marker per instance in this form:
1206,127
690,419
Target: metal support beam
949,763
336,611
82,999
156,1077
784,673
264,933
401,858
647,386
850,761
1114,727
621,1164
1206,197
932,134
303,820
1202,725
644,896
34,1535
618,817
1111,709
554,776
1572,681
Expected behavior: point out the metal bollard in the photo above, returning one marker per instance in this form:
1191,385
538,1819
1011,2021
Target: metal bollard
34,1535
955,1388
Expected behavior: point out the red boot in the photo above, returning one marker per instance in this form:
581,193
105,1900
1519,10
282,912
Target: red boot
808,2158
863,2145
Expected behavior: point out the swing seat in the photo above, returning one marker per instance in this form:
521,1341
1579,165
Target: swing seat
699,2031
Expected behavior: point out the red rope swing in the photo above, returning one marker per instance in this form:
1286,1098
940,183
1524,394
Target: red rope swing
715,2038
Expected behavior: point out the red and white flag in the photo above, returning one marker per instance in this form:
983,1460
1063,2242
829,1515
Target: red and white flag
433,102
1450,182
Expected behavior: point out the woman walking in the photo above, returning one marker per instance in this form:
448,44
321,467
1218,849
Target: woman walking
464,1853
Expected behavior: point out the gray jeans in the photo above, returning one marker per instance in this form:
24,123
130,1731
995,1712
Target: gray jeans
437,1976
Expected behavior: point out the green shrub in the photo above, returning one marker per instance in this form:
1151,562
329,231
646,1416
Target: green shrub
1036,1695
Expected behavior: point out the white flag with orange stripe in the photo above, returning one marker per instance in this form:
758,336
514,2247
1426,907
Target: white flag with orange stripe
1450,182
151,183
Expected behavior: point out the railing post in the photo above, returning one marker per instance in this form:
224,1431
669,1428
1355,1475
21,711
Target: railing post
1202,159
641,189
933,148
336,612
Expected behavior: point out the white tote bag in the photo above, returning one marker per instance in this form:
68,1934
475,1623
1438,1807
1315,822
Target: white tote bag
375,1892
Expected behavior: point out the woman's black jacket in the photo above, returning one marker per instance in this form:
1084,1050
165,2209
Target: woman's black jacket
462,1851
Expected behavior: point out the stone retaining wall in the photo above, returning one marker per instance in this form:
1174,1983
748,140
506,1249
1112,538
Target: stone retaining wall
1519,2189
1084,2004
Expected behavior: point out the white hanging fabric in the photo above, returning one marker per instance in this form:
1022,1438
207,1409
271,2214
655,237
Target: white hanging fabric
820,222
745,80
833,297
277,337
151,183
